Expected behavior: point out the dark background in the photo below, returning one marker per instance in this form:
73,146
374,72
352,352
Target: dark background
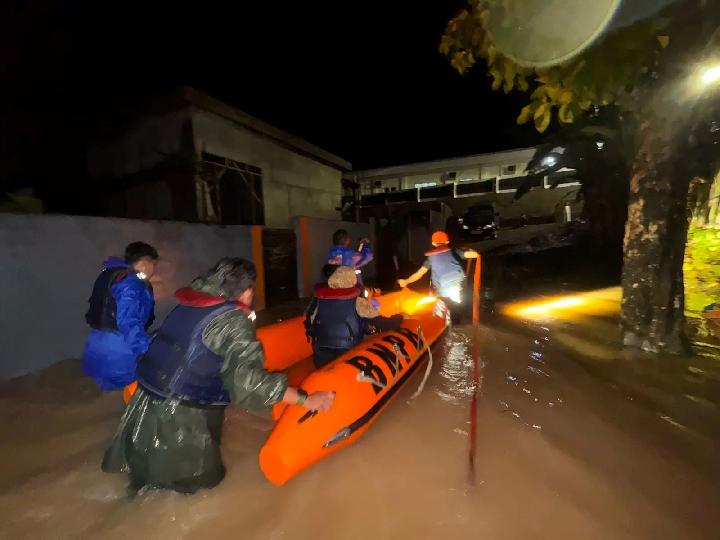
363,80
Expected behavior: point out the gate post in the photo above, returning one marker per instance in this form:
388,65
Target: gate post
258,260
304,258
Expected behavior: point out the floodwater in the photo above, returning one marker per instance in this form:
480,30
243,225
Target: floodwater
575,439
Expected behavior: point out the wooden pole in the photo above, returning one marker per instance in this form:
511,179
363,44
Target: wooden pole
475,371
476,291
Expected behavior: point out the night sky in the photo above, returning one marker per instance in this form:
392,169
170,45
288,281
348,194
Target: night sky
363,80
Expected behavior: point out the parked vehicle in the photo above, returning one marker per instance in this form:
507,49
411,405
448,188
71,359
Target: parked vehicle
479,221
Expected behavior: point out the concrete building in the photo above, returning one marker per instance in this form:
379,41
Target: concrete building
187,156
450,186
507,164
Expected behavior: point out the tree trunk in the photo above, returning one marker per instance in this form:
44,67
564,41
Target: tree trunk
655,235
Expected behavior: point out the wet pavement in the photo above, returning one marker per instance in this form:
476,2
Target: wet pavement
575,439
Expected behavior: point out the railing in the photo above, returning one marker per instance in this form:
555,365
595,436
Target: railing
461,189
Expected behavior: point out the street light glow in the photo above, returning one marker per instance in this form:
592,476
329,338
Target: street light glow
548,161
711,75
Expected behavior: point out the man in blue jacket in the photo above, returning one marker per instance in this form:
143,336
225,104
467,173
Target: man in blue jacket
341,254
121,311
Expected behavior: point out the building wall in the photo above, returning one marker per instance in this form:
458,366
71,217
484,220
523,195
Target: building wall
476,167
48,264
147,172
293,184
144,144
535,203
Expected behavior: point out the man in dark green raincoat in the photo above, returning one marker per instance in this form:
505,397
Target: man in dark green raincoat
204,357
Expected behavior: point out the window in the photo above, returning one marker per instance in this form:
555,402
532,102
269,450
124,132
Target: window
234,190
509,169
564,178
474,188
508,185
406,195
436,192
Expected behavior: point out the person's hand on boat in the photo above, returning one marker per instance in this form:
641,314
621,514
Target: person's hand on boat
403,283
320,401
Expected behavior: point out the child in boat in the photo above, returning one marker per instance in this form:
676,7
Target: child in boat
445,267
204,357
339,317
341,254
121,311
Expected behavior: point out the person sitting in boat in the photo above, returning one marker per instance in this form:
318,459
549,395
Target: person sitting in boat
445,267
339,317
341,254
204,357
121,311
366,292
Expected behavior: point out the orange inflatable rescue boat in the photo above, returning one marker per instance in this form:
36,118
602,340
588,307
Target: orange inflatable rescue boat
365,380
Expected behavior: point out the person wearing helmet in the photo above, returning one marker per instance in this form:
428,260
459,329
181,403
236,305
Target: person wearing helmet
445,267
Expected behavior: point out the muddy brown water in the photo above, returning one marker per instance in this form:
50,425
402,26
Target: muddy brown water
576,439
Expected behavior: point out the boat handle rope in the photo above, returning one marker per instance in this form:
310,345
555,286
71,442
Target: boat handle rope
428,369
421,342
361,377
398,355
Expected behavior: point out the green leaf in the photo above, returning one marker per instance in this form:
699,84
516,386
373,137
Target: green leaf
539,93
491,54
565,114
543,121
553,93
548,76
522,83
565,96
509,76
445,44
497,79
525,114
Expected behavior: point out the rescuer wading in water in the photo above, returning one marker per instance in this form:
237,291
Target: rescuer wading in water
120,312
446,271
204,357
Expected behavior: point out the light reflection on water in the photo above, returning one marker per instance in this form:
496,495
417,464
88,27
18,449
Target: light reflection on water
602,302
455,385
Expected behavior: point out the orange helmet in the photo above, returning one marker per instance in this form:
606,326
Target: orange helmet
440,237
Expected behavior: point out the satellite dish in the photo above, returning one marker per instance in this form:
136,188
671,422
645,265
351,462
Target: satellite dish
544,33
